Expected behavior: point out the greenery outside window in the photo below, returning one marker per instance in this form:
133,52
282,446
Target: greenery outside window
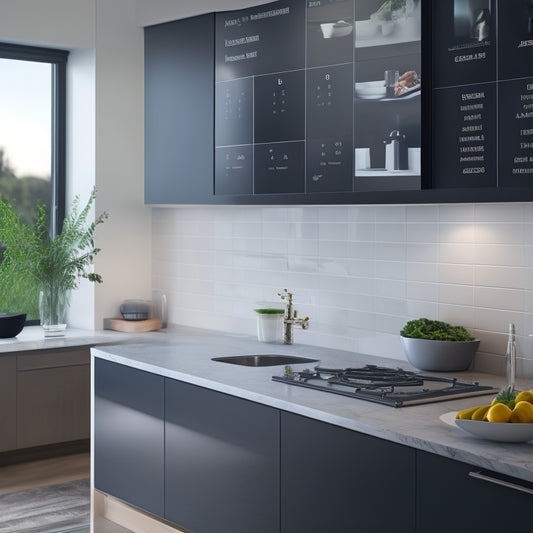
32,149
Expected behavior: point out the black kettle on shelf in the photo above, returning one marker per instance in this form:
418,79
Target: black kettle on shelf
395,151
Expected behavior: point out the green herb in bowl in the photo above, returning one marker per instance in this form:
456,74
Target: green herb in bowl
436,330
270,311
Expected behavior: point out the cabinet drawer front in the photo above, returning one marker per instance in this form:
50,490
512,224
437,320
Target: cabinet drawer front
129,435
51,359
53,405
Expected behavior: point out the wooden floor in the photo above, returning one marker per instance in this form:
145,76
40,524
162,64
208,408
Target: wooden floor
44,472
69,468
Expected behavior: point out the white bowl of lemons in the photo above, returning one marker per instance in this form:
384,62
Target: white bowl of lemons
509,418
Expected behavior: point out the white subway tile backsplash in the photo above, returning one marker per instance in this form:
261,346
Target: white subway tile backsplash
497,298
362,232
422,232
390,233
457,274
457,233
456,294
422,272
454,213
387,251
501,276
359,272
391,213
419,309
415,290
421,213
361,214
499,254
333,213
389,269
423,252
499,233
457,253
487,213
333,231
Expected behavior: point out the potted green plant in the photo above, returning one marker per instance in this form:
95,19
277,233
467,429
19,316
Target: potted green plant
438,346
44,267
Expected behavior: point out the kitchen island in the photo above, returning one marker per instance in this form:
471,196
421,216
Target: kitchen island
182,385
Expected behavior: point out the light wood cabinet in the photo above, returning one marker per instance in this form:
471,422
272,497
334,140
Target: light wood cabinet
45,398
8,400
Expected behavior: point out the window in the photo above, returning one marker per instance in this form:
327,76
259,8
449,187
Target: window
32,147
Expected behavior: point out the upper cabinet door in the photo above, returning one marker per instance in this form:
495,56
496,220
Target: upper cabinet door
179,111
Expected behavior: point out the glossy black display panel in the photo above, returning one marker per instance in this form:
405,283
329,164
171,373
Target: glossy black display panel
482,101
301,85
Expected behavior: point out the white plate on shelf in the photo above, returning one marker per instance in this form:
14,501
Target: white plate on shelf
370,89
497,432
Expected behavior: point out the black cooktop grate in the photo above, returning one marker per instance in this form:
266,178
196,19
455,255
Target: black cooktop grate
395,387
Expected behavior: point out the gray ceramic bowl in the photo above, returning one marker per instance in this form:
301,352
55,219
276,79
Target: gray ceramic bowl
11,324
439,356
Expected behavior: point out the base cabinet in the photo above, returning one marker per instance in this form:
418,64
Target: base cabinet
214,463
221,462
334,479
53,398
8,402
45,398
129,435
455,496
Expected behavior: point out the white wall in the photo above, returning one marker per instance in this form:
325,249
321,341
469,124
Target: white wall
359,272
125,238
57,23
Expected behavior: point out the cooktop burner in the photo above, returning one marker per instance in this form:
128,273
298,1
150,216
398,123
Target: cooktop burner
389,386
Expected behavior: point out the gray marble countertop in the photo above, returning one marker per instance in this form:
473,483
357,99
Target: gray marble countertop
185,354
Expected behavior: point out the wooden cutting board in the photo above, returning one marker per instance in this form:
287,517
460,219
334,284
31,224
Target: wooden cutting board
132,326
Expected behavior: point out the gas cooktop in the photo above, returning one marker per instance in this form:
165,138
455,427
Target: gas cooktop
395,387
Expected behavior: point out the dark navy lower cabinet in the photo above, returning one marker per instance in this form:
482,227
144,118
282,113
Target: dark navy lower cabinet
129,435
337,480
455,496
214,463
222,462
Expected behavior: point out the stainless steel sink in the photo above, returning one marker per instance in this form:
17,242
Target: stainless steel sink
263,360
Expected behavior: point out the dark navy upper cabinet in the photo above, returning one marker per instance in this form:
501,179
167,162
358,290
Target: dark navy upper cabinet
221,462
179,111
129,435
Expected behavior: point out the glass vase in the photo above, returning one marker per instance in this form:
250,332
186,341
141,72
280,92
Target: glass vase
52,309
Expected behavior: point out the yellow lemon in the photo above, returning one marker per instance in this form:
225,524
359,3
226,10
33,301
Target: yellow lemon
480,412
523,412
466,414
499,412
525,396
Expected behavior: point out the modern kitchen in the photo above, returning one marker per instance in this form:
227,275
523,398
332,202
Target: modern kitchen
298,182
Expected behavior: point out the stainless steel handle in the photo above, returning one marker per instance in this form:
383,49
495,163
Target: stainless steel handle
508,484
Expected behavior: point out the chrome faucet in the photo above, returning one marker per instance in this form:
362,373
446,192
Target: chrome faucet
291,319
